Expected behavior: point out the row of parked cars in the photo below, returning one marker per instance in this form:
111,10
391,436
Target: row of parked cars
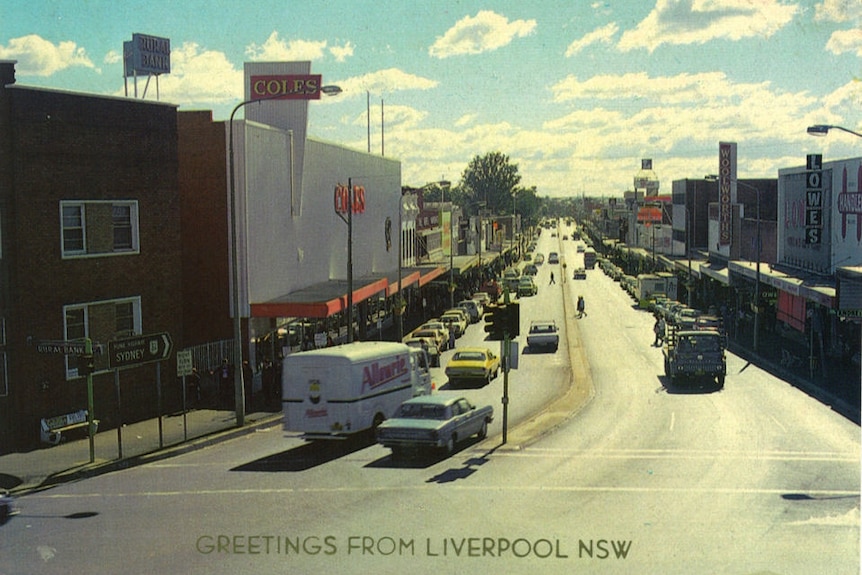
434,335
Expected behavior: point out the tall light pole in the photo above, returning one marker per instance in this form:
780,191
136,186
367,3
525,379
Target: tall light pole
823,129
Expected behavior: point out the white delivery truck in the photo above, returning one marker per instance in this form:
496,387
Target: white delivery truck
335,392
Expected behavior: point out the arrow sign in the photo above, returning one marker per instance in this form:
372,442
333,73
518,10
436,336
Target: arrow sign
140,349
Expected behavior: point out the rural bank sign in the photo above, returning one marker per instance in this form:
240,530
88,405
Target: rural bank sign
286,87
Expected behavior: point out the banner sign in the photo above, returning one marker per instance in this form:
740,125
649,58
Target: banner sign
726,183
147,55
286,87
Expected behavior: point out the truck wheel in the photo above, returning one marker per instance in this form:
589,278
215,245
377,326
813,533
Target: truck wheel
378,419
483,431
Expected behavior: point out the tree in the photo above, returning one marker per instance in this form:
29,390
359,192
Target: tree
527,205
491,179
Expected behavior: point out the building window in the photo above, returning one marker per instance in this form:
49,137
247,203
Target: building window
97,228
122,217
102,322
73,229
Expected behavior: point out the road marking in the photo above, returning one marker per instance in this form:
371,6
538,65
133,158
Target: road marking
778,423
827,456
672,420
814,494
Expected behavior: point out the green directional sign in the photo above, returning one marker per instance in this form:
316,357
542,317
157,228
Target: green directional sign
132,351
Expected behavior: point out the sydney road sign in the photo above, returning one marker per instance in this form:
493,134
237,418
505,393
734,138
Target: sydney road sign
139,349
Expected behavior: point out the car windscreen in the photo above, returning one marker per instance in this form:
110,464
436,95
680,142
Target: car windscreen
422,411
468,356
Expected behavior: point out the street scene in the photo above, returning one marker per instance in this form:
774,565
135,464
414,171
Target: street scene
361,304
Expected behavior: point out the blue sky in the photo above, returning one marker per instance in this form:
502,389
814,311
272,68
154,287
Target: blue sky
575,92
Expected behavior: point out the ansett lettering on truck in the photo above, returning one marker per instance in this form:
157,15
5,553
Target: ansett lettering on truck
377,374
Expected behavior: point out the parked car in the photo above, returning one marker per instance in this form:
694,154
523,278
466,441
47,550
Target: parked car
553,258
434,334
429,345
527,287
434,422
539,258
483,298
473,308
581,248
580,274
543,334
472,364
456,320
530,270
510,279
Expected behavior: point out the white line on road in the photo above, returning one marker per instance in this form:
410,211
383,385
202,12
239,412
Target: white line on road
812,494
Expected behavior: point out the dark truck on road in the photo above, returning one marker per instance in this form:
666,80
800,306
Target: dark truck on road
695,354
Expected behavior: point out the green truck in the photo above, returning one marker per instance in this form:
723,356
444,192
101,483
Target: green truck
691,354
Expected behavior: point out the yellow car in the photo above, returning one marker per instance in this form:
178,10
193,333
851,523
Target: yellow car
472,364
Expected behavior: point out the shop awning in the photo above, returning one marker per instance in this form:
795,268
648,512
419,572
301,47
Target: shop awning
719,274
430,274
320,300
408,278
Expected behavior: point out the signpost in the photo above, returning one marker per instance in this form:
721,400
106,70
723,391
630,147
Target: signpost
84,350
185,367
138,350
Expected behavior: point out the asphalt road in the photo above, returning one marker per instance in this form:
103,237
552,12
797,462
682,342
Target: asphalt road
755,478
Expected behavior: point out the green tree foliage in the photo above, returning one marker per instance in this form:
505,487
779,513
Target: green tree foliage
528,205
491,179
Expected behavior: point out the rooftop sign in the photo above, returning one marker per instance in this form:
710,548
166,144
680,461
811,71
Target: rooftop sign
286,87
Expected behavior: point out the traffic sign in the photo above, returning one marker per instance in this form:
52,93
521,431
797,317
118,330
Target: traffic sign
132,351
61,347
184,363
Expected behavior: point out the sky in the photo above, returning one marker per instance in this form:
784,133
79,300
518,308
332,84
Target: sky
574,92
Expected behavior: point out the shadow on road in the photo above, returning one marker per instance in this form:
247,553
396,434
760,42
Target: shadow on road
690,386
308,455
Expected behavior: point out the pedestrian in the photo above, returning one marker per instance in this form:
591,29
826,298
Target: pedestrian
451,336
581,307
552,278
659,329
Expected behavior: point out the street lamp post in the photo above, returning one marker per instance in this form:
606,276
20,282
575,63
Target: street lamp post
239,390
823,129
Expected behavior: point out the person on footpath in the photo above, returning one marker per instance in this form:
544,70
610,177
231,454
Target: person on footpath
659,329
451,336
581,307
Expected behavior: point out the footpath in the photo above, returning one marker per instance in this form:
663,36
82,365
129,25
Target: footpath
141,442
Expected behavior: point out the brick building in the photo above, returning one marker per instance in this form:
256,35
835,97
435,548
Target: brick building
89,247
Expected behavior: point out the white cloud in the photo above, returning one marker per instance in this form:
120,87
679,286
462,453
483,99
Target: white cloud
341,53
603,35
465,120
200,77
113,57
684,22
485,32
838,10
275,49
384,81
843,41
39,57
395,116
